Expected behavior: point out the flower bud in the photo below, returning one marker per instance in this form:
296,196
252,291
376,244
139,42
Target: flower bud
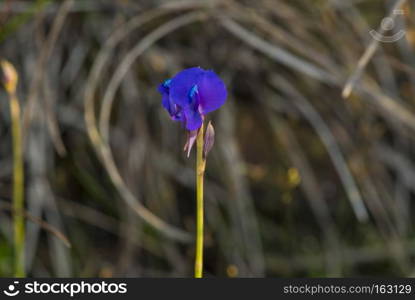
209,139
9,76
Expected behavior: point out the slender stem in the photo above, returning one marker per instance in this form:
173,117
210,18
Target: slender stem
18,188
200,171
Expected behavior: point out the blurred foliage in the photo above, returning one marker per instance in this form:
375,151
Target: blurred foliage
300,182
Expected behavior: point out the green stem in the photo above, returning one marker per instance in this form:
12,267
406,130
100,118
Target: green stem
18,188
200,171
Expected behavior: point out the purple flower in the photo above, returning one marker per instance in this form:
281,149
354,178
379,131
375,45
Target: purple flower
191,94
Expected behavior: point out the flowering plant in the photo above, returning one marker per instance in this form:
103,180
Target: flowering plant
188,97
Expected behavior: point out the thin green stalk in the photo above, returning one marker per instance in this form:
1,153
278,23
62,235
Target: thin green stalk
200,171
9,79
18,188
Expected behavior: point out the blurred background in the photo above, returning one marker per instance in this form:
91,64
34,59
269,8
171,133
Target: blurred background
312,171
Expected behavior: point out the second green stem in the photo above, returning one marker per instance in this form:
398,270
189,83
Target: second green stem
18,189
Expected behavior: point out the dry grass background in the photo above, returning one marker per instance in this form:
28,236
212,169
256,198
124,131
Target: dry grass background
301,182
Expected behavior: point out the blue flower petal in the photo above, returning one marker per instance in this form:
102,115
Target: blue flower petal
165,101
192,114
164,90
212,92
173,109
182,84
178,115
193,119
